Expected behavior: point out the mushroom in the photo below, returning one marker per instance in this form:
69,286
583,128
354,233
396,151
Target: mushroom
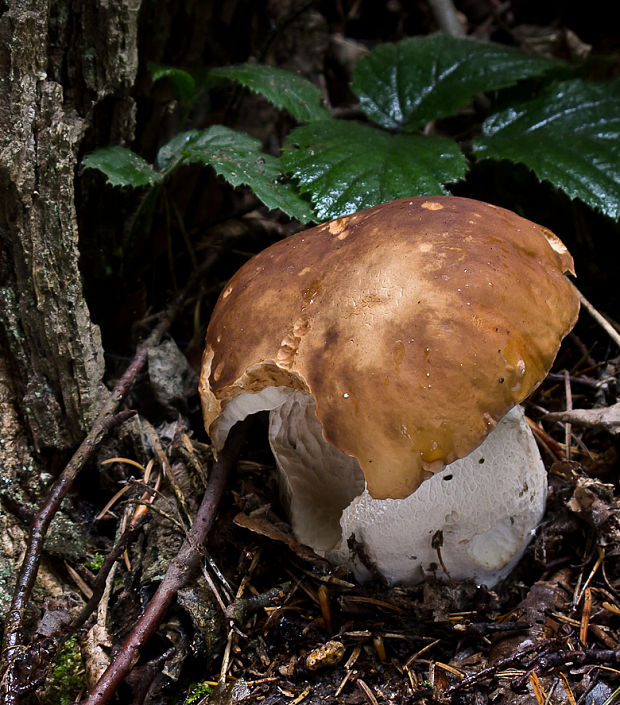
392,348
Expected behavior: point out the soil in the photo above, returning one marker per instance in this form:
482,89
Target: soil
266,620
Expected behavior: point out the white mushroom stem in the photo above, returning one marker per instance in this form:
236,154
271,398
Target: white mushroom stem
486,506
472,520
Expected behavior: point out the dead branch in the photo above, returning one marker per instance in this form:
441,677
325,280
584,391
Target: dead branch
180,570
12,647
447,17
98,587
13,635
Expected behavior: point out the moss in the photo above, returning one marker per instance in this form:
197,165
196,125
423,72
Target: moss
66,680
196,692
7,580
95,562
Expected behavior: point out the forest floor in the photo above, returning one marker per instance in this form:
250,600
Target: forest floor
268,621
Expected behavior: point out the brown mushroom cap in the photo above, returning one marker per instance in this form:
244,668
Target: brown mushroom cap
416,325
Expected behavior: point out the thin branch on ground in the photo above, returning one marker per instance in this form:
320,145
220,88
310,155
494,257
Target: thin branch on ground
98,587
562,657
13,643
179,572
599,318
492,671
13,636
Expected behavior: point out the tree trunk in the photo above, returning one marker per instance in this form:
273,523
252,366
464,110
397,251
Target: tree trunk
60,62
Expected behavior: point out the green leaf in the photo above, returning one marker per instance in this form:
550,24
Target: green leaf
183,82
236,157
284,89
569,135
345,166
407,84
200,145
122,167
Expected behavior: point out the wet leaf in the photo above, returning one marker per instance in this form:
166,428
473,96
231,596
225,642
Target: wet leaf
237,158
345,167
406,84
301,98
122,167
569,135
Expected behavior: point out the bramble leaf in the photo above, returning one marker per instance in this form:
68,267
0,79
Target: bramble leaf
406,84
183,82
236,157
122,167
301,98
345,167
569,135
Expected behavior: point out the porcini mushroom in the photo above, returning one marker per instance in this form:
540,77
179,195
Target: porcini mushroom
387,346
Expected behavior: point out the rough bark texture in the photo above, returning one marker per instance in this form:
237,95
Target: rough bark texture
60,62
53,350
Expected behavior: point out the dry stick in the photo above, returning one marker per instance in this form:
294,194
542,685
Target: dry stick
152,672
98,587
242,607
107,418
156,445
180,570
569,407
599,318
565,657
490,671
30,565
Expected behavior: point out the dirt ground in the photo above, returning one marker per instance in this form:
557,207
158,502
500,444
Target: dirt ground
266,620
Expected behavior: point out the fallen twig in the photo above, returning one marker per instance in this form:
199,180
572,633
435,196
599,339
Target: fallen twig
607,418
13,635
244,606
492,671
98,586
600,319
447,17
152,672
546,662
13,648
180,570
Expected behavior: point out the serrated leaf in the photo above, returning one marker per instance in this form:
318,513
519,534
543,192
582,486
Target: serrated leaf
183,82
569,135
407,84
198,145
275,191
236,157
345,166
284,89
122,167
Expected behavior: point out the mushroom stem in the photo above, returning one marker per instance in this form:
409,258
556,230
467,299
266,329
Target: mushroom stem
471,520
484,507
318,481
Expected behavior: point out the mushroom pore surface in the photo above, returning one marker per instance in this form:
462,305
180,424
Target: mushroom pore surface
414,326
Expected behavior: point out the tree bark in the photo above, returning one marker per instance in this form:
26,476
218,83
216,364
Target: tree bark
52,348
63,66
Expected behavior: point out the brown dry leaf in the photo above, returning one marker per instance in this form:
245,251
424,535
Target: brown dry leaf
260,525
96,658
607,418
